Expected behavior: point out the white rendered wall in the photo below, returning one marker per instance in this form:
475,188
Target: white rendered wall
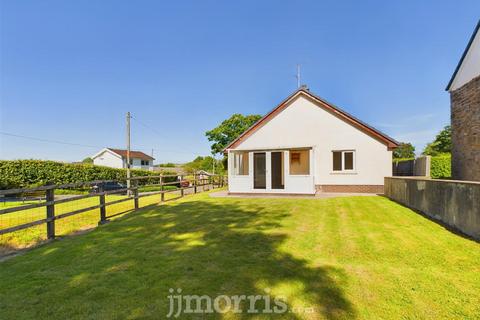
304,124
470,67
108,159
137,164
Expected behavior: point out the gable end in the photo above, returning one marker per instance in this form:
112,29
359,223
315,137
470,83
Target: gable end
332,109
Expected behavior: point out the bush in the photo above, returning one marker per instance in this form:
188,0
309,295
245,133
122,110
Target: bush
441,167
397,160
28,173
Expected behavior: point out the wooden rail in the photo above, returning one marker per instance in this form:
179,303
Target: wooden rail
132,195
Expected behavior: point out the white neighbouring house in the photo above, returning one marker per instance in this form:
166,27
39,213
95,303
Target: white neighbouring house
306,145
117,158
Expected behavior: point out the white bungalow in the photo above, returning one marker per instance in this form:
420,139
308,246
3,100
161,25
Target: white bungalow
117,158
306,145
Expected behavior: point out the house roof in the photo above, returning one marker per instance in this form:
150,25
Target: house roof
474,34
203,172
336,111
133,154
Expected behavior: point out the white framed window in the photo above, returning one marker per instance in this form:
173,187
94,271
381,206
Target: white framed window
299,162
240,163
343,160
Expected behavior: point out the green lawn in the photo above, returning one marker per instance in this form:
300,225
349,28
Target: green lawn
357,257
11,242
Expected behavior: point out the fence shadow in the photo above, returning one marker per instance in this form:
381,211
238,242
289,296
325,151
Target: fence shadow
210,248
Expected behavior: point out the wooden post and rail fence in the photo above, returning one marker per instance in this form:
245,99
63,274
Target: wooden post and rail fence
133,194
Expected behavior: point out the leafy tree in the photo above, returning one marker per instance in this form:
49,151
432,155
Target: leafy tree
404,150
442,143
204,163
166,165
87,160
229,130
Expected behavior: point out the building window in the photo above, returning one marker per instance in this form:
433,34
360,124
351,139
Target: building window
144,162
343,160
240,163
299,162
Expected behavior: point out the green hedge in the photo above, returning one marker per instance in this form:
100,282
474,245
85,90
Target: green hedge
440,167
28,173
397,160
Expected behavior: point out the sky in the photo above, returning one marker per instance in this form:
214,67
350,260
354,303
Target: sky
70,70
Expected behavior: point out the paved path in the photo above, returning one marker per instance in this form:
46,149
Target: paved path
318,195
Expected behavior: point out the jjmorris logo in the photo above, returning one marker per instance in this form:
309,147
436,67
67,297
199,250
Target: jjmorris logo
198,304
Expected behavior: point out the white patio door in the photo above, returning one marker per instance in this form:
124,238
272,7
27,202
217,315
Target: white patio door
260,170
269,171
277,170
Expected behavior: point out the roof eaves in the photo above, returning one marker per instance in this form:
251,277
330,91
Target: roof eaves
463,56
356,119
263,118
394,143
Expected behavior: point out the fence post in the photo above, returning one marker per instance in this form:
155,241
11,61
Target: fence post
162,195
135,195
50,197
194,183
181,187
103,208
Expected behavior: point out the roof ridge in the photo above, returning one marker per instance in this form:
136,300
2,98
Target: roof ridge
391,143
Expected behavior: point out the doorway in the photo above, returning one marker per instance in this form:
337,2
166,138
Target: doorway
259,170
277,170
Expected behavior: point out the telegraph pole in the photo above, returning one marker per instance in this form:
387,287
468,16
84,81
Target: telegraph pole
128,152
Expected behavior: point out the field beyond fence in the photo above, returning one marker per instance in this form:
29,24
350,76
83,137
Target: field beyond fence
34,215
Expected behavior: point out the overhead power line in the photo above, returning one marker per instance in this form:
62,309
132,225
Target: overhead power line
161,136
49,141
146,126
87,145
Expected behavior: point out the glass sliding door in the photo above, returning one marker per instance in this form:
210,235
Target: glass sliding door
277,170
259,170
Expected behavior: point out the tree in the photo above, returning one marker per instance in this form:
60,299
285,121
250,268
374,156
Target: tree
441,144
87,160
229,130
204,163
404,150
166,165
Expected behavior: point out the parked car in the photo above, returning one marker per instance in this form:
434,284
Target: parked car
184,183
108,186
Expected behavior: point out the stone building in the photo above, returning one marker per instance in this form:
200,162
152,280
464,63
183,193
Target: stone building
464,88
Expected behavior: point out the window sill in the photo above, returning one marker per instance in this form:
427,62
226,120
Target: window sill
343,172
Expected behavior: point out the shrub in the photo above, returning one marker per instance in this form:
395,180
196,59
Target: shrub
397,160
440,167
28,173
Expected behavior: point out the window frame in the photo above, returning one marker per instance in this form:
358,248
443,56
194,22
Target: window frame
309,171
234,167
342,158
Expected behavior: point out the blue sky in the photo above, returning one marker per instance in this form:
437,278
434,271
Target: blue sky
70,70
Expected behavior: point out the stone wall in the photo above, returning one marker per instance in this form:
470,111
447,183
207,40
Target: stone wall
414,167
455,203
465,117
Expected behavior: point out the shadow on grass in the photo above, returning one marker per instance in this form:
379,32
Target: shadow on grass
203,247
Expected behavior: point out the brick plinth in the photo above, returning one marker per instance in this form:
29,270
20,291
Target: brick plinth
362,188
